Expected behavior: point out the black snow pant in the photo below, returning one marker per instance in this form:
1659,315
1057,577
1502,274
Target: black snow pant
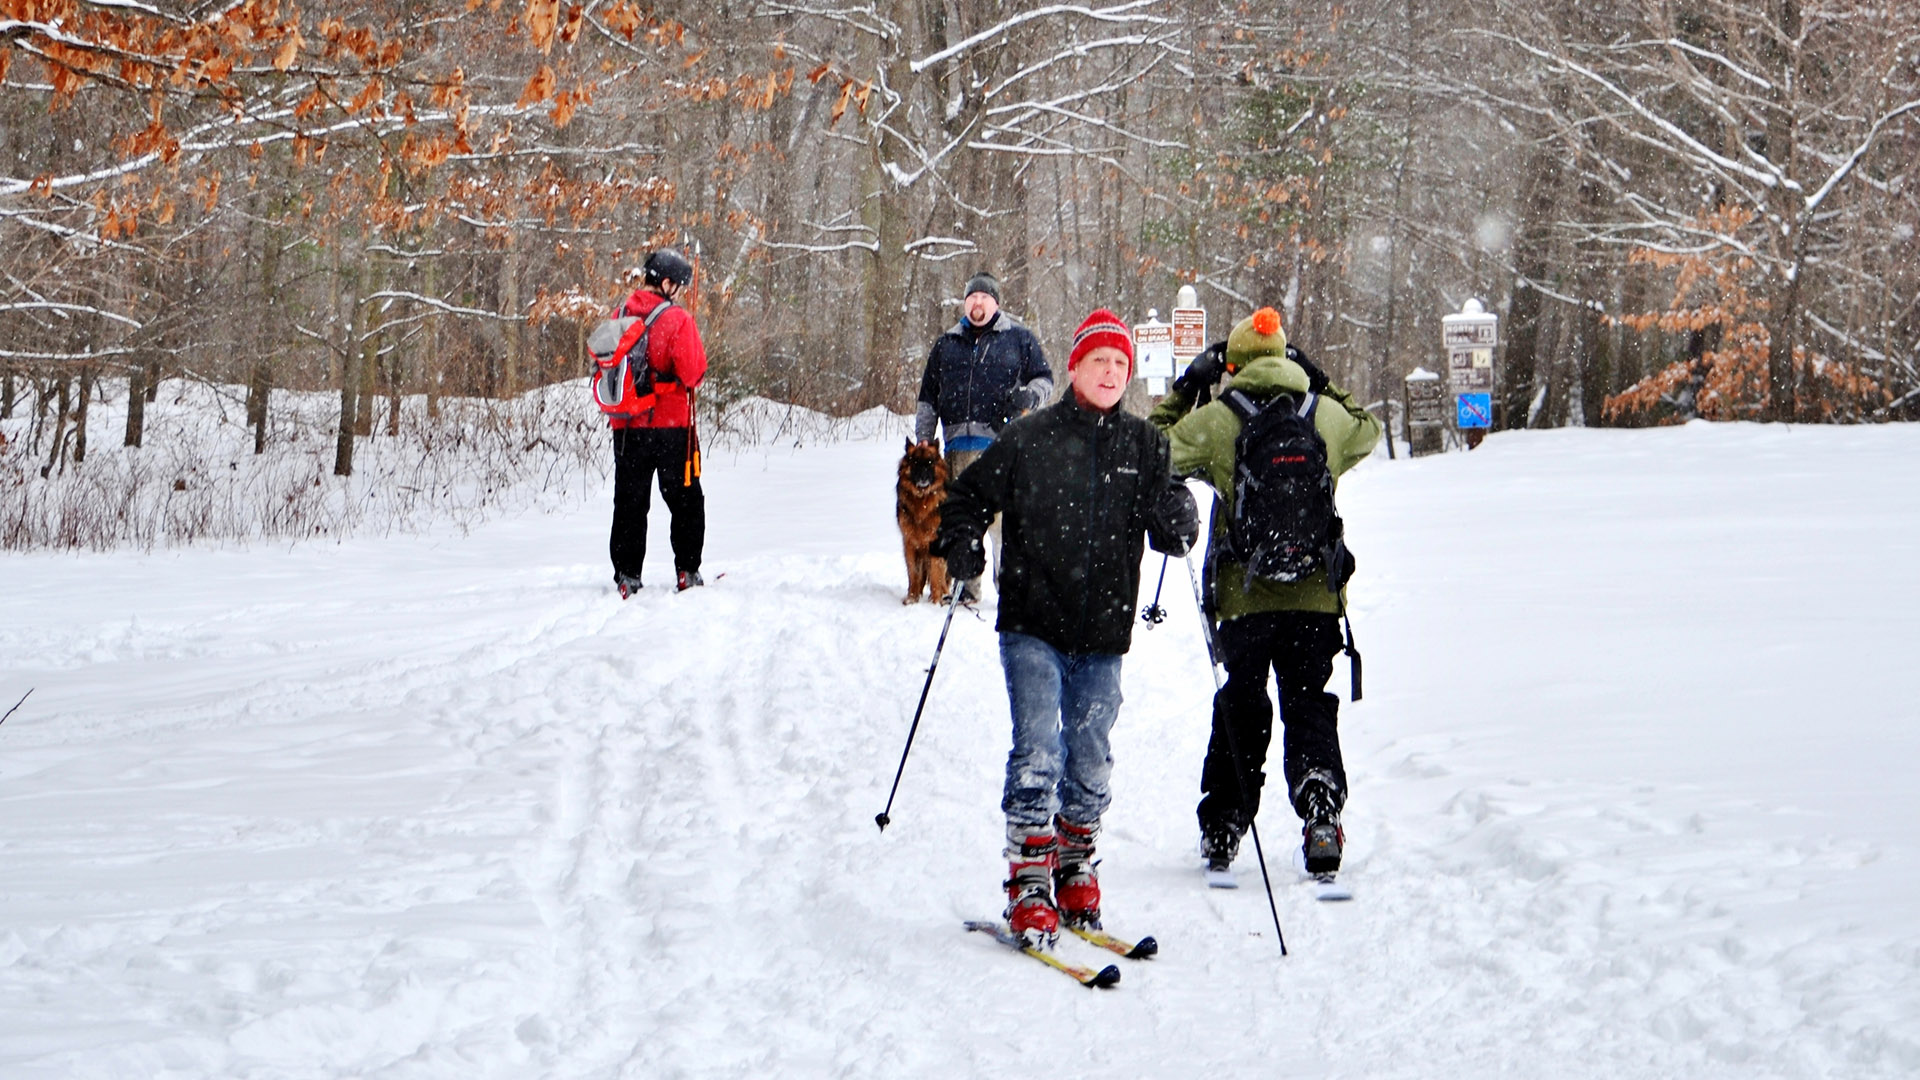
1300,647
638,455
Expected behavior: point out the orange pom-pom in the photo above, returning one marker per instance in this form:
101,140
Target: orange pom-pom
1266,322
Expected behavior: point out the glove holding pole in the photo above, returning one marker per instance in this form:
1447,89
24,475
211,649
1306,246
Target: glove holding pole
1172,530
966,557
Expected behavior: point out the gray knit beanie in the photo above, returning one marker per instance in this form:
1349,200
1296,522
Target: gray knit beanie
982,282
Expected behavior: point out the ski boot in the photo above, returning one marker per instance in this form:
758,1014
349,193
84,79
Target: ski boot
1031,854
627,585
1076,885
1219,845
1321,835
687,579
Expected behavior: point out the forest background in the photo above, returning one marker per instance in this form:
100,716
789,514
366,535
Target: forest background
1680,209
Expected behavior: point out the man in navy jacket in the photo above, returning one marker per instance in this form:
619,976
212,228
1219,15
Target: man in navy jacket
981,374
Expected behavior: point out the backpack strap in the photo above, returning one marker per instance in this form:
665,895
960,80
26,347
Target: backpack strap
1243,406
1246,408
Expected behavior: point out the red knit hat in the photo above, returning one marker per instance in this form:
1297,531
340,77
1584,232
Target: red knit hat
1102,327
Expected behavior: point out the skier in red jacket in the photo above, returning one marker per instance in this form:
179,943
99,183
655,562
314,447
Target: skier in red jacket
658,435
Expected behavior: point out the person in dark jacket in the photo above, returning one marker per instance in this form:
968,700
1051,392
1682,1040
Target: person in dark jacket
659,439
1080,484
981,374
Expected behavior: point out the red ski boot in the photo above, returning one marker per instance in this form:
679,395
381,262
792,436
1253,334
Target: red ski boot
1031,852
1076,886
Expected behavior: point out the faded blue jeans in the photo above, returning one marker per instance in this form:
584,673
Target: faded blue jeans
1064,705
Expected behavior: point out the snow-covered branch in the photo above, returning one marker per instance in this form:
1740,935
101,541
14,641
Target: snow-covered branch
438,304
47,305
1077,51
1675,139
821,249
1853,160
1119,13
925,248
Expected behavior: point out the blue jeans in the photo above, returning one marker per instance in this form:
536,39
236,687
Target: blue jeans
1064,706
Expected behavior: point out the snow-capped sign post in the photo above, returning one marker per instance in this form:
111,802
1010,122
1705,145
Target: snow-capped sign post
1426,413
1469,337
1189,327
1153,352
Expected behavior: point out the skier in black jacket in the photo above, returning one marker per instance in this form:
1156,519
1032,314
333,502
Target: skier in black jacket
1080,483
980,375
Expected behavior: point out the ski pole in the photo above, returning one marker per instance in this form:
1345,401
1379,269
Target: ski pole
1155,614
882,819
1233,751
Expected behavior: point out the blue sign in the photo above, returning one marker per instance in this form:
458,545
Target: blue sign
1475,411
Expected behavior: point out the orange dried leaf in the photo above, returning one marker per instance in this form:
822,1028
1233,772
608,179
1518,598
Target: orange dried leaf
539,88
543,17
288,51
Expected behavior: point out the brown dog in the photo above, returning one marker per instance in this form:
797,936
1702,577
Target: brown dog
917,496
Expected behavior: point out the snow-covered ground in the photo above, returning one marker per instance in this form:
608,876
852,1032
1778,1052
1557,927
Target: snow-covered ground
1633,795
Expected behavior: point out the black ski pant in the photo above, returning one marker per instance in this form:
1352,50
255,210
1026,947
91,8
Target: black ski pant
1299,646
638,455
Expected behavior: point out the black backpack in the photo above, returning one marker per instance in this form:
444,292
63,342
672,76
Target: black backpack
1284,526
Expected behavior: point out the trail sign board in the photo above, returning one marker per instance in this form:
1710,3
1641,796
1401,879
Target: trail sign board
1473,411
1189,333
1470,369
1426,401
1153,352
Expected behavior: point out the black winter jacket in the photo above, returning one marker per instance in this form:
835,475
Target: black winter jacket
1078,490
969,382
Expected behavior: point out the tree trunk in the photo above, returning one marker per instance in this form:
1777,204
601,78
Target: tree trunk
59,430
80,414
349,313
1533,243
369,386
886,272
1784,329
136,404
266,344
430,367
510,301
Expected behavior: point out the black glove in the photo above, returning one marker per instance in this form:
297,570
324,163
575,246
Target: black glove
1316,379
966,559
1175,522
1203,370
1025,399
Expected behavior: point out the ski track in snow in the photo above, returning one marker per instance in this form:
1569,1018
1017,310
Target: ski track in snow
426,807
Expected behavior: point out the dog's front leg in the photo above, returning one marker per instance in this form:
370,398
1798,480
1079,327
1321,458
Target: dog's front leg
916,570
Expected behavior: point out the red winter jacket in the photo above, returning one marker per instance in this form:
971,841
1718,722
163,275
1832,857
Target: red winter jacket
677,357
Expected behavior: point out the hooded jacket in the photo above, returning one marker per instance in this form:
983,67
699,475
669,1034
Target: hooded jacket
1201,443
970,379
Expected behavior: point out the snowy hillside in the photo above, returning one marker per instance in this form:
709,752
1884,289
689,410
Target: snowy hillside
1633,795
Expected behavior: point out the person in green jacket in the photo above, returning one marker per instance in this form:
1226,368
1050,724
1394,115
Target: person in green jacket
1291,626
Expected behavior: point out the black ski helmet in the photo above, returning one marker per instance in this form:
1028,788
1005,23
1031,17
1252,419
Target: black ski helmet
667,265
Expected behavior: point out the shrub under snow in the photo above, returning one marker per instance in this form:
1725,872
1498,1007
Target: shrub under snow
196,477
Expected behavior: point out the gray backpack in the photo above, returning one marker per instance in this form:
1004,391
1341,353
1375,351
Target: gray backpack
620,386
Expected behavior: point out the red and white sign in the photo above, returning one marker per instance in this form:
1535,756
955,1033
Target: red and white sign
1189,333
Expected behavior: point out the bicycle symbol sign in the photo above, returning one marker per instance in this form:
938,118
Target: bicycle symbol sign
1474,411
